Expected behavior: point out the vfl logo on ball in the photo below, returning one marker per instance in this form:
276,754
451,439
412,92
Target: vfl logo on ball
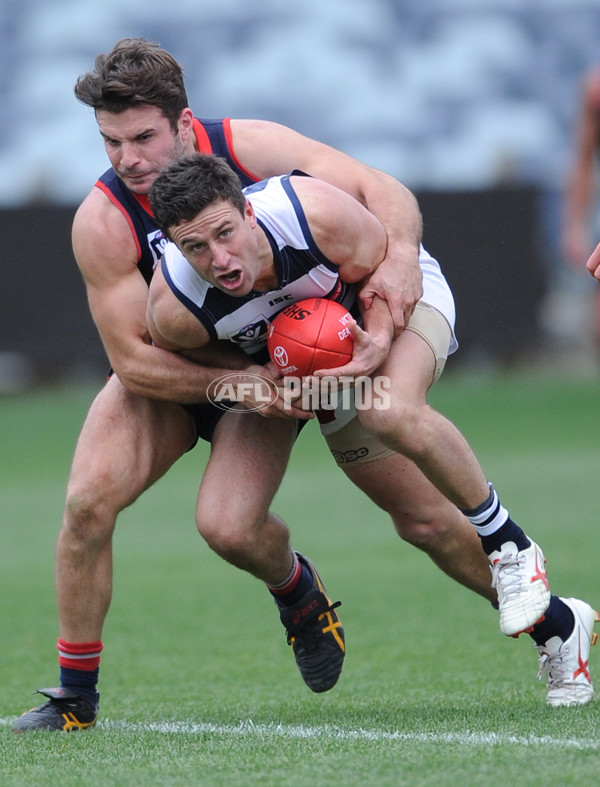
251,390
280,356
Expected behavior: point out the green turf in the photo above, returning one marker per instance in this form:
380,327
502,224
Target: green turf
198,685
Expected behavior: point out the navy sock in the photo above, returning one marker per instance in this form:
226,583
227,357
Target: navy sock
508,532
301,588
84,682
558,622
493,524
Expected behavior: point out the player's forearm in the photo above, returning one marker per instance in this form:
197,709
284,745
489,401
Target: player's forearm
167,376
575,232
578,197
378,323
398,278
581,184
397,209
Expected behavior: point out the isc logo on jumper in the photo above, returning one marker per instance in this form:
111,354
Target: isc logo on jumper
251,390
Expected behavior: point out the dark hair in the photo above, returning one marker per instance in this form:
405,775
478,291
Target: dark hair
187,186
135,72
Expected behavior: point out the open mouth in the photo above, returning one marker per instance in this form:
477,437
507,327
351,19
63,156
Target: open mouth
230,280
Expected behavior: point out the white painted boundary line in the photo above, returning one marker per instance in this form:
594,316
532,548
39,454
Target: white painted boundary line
339,733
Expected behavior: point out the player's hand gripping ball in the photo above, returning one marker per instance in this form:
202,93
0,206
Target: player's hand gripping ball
309,335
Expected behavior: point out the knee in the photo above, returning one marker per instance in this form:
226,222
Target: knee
423,534
87,520
430,530
224,536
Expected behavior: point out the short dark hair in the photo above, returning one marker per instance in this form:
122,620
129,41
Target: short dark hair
135,72
187,186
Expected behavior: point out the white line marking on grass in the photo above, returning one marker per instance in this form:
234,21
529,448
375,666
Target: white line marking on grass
467,738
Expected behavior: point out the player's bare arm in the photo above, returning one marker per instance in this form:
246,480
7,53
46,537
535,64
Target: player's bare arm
348,234
171,326
174,328
581,185
593,263
117,295
268,149
368,354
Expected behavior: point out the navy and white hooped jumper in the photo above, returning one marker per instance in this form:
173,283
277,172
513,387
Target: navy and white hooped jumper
302,271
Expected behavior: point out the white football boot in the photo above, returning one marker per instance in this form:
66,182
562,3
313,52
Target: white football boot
522,586
566,664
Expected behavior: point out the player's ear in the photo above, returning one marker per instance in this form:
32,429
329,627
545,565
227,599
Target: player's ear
185,124
249,214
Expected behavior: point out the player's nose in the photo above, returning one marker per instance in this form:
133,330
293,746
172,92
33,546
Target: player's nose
129,155
220,258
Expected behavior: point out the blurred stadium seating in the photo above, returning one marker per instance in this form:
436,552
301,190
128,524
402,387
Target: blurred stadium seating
443,94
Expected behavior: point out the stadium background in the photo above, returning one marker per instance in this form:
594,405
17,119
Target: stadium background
470,104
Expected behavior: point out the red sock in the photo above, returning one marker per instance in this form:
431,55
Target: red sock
83,656
296,585
290,582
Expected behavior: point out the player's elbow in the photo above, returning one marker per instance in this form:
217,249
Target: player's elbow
130,375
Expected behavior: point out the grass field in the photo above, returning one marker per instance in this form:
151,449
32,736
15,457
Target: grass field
198,685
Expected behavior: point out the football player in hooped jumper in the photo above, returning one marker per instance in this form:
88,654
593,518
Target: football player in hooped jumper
153,408
235,253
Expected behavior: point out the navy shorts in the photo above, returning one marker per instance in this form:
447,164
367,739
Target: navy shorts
206,416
